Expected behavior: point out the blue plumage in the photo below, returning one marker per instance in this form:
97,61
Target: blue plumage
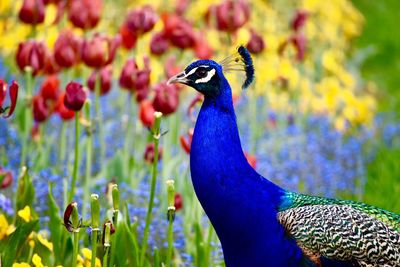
257,222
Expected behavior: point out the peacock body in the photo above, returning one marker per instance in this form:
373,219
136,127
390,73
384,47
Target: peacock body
258,222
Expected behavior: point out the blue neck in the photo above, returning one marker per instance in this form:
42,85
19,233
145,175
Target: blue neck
241,204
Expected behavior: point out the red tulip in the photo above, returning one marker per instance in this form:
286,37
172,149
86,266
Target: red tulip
256,43
13,91
149,153
179,31
32,12
75,96
146,113
159,44
178,201
166,99
65,113
40,109
99,51
186,142
50,65
128,38
299,19
85,14
6,178
33,54
67,49
50,88
132,78
230,15
141,20
142,94
105,80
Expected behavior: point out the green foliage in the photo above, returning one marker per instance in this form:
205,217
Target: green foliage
14,245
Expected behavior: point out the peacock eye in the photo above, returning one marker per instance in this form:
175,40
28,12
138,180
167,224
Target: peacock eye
201,72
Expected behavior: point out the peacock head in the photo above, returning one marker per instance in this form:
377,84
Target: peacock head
205,75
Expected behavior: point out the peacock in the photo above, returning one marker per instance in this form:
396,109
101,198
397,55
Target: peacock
258,222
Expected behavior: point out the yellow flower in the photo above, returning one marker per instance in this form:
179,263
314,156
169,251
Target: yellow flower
25,213
21,264
3,226
45,242
37,261
87,255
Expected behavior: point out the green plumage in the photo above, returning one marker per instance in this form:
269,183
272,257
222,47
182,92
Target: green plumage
341,229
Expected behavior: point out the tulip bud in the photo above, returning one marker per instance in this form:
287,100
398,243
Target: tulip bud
159,44
40,109
71,218
85,14
99,51
231,15
105,80
178,201
299,19
179,31
64,113
166,99
13,91
32,54
108,230
50,88
146,113
256,43
141,20
95,209
6,178
32,12
149,153
134,79
128,38
67,49
75,96
171,196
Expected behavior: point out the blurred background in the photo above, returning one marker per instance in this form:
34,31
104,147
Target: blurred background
322,116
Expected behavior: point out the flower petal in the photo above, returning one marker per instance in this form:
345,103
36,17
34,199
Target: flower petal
13,97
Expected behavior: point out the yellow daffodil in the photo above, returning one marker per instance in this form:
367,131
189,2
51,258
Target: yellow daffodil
45,242
25,213
37,261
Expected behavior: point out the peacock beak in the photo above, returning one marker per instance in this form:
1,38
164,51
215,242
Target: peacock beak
178,78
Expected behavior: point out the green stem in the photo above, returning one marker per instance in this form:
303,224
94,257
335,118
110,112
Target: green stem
75,249
27,114
105,257
75,170
129,136
94,247
170,241
156,137
113,238
99,116
61,152
88,161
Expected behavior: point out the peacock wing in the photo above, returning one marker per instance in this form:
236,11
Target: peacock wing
334,229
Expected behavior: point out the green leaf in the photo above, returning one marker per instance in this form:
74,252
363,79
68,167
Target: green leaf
55,225
10,250
25,191
127,253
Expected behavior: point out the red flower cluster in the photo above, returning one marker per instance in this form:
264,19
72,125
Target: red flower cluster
179,32
99,51
13,92
44,103
105,76
67,49
32,54
32,12
134,79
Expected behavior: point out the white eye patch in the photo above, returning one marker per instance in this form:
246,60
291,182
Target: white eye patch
210,74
